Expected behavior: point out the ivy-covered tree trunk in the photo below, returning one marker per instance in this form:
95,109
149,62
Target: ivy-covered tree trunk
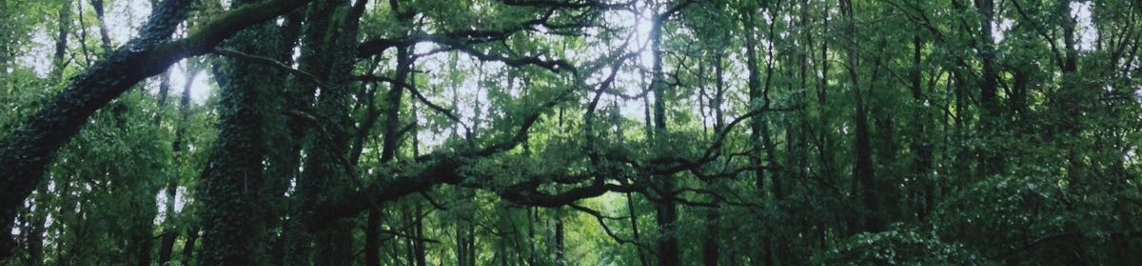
327,53
232,213
285,133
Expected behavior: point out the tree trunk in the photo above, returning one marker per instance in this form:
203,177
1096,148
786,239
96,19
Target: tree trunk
170,232
104,37
327,53
392,130
666,209
757,123
233,220
990,162
863,172
419,248
189,246
560,260
634,230
710,245
922,158
34,228
285,135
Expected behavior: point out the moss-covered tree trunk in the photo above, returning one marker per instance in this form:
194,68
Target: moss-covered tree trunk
233,231
286,134
327,53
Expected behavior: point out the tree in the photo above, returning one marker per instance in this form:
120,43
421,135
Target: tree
553,132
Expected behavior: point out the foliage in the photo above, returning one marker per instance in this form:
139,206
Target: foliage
898,247
593,132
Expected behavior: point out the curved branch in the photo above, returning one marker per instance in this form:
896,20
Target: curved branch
462,41
270,62
607,229
419,96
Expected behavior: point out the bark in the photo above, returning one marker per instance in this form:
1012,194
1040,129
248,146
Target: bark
880,110
28,150
764,120
1072,100
461,251
373,237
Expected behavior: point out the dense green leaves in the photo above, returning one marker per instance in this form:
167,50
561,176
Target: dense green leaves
553,132
899,247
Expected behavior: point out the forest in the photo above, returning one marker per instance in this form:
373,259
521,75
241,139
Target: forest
570,132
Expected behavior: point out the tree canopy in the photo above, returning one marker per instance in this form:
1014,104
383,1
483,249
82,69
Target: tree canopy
570,132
